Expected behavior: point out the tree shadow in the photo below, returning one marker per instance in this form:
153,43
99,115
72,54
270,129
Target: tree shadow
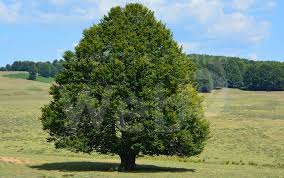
105,167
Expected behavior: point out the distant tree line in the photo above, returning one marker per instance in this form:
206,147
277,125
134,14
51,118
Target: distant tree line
215,72
44,69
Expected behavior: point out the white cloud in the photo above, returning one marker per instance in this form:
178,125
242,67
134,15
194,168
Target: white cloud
240,26
220,18
213,15
245,5
58,2
259,32
253,56
230,23
205,9
60,52
271,4
9,13
190,47
242,4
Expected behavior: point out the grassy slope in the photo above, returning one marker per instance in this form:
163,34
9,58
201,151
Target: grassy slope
247,128
25,75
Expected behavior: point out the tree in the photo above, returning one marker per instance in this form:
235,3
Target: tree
204,80
218,81
32,72
53,71
57,67
8,67
44,69
16,66
233,74
32,75
127,90
267,76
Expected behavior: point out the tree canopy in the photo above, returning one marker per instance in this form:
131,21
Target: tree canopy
263,76
127,90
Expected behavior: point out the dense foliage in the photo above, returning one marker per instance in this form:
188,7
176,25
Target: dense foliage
127,90
239,73
264,76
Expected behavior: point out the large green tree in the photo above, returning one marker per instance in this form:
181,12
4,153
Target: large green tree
127,90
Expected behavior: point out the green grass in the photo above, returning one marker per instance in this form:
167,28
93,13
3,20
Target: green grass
247,139
25,75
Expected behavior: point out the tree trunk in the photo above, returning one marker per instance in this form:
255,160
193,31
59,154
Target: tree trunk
127,160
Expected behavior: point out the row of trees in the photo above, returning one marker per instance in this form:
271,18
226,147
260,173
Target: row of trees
216,72
45,69
213,72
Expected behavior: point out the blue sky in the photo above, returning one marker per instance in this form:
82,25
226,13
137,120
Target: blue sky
43,29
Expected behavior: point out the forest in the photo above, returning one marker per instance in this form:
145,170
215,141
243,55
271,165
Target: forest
216,72
213,72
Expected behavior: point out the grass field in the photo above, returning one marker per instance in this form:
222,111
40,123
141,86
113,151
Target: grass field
247,139
25,75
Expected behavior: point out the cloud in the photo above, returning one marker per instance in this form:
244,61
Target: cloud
253,56
240,26
216,17
58,2
9,13
220,19
242,4
271,4
60,52
245,5
190,47
204,10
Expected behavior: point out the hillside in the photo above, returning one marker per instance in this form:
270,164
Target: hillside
25,75
247,138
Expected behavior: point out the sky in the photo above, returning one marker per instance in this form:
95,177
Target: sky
41,30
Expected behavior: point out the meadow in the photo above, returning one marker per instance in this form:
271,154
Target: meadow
25,75
247,138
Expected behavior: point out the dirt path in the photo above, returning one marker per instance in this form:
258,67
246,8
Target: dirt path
14,160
